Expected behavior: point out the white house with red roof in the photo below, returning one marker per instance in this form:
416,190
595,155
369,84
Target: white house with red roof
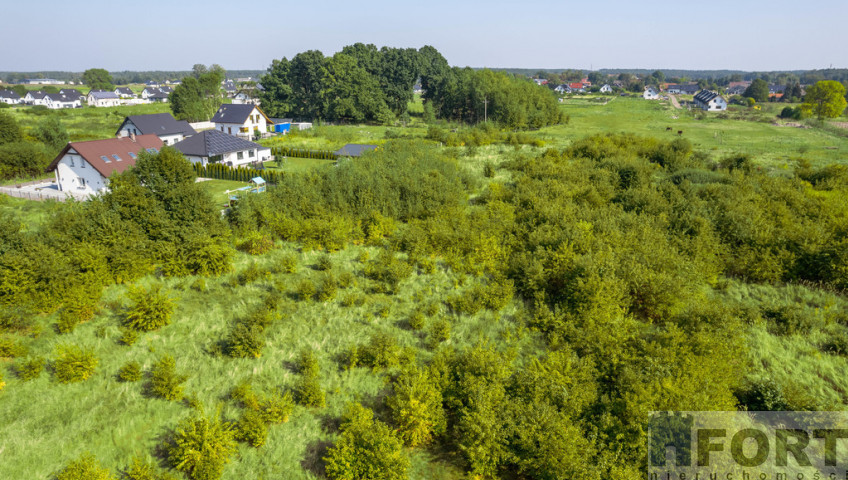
84,168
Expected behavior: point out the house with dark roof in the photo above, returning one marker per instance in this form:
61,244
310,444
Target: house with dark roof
155,94
58,100
215,146
73,94
354,150
710,101
103,98
243,120
10,97
124,92
683,88
85,167
163,125
35,97
650,93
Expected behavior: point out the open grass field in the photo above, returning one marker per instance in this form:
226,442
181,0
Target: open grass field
218,189
771,145
87,123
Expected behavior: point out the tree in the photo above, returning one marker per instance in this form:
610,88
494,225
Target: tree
10,130
98,79
758,90
351,93
307,80
277,96
52,133
367,449
825,99
197,99
198,69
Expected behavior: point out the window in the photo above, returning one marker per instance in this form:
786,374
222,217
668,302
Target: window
82,182
71,161
132,155
152,150
116,157
105,159
251,153
165,141
240,155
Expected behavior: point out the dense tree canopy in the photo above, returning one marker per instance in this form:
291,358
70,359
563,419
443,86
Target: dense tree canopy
98,79
758,90
825,99
197,99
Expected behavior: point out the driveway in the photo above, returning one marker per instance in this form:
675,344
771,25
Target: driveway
40,191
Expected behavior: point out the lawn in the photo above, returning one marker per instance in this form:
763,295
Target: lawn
772,145
218,189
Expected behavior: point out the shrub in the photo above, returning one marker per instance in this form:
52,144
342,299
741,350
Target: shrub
245,341
256,243
367,449
276,408
30,369
11,348
251,274
151,309
382,351
488,170
416,408
305,289
307,363
346,279
85,468
388,270
327,288
288,263
74,364
308,392
165,382
251,429
201,447
77,309
416,321
199,285
129,336
440,331
352,299
130,372
142,470
244,395
324,263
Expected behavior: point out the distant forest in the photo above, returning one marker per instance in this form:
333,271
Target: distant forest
122,78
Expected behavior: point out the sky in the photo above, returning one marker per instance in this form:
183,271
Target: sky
750,35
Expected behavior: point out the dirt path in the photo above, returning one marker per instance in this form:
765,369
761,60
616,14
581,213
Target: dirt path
674,101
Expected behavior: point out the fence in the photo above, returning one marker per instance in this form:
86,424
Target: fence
240,174
41,195
303,153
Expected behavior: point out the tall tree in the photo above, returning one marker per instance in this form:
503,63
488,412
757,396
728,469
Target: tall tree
307,81
825,99
98,79
398,72
197,99
352,94
758,90
276,97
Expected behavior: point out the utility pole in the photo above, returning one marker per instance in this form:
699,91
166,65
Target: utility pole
485,110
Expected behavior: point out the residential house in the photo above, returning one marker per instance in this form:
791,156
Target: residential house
152,83
35,97
155,94
103,98
774,89
58,100
242,98
215,146
124,92
73,94
683,88
229,88
10,97
540,81
163,125
563,88
736,90
85,167
42,81
606,88
241,120
710,101
650,93
354,150
578,87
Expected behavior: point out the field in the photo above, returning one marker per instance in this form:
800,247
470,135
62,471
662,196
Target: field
44,424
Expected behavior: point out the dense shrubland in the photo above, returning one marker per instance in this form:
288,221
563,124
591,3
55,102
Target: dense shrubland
637,270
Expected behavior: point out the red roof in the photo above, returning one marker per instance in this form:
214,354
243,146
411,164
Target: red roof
93,151
575,85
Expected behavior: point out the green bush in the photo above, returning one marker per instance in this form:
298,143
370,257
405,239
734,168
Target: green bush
327,287
308,392
165,382
276,408
199,285
130,372
416,321
30,369
244,395
251,429
388,270
256,243
245,341
382,351
307,363
201,447
150,309
85,468
440,331
129,336
346,279
306,289
288,263
73,364
139,469
367,449
10,347
251,274
77,309
416,407
324,263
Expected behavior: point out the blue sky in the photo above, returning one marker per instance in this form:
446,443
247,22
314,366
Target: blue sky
174,35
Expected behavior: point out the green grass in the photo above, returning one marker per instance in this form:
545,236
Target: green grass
294,164
218,189
44,424
87,123
30,214
773,146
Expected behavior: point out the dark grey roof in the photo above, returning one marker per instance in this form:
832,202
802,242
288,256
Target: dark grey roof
214,142
233,113
354,150
58,97
124,91
72,93
38,94
99,94
705,96
158,124
9,94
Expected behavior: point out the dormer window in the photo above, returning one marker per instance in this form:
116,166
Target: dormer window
152,150
132,155
105,159
116,157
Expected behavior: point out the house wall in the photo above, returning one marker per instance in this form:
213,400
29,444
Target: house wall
231,159
250,124
10,101
103,102
70,178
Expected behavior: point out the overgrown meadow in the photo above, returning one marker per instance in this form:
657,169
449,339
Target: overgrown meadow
460,303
